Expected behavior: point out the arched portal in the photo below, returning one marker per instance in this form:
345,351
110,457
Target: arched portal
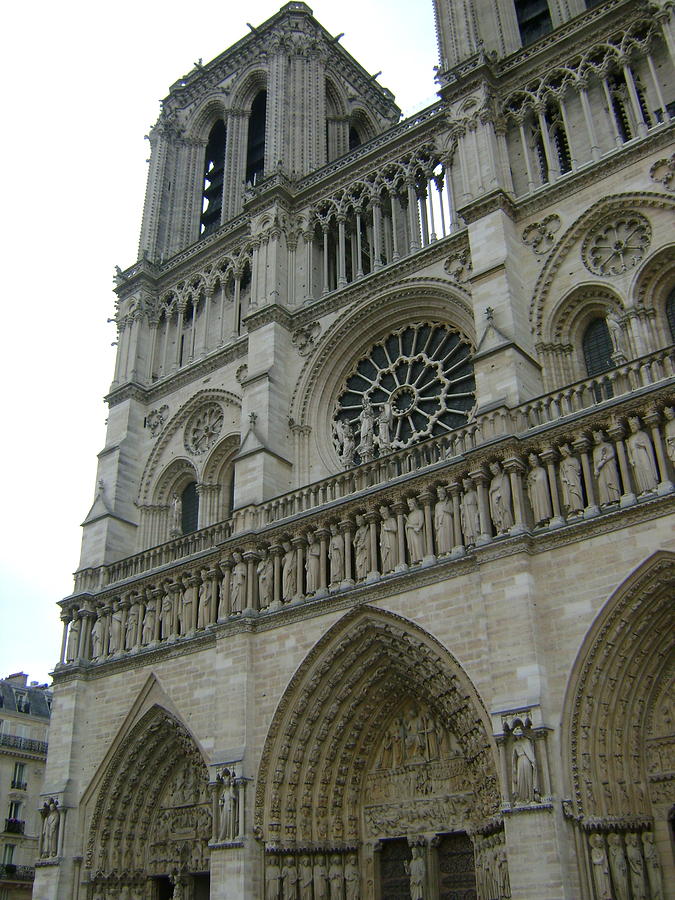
379,754
619,728
152,815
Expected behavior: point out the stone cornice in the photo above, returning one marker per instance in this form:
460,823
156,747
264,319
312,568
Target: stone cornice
273,312
486,204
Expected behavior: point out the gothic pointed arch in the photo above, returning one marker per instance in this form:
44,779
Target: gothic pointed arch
150,810
653,287
620,708
377,701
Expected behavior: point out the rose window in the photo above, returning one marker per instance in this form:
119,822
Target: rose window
415,384
203,428
617,245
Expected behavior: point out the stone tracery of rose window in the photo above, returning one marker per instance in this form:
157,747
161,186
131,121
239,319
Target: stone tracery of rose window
416,383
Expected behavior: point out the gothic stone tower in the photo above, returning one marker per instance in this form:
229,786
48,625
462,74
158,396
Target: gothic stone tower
375,595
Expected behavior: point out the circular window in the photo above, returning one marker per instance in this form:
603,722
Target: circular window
616,245
415,384
203,428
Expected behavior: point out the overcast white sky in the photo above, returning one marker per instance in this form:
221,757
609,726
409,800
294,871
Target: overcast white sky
82,87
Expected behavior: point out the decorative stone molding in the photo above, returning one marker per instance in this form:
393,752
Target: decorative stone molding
304,338
663,172
203,428
615,245
458,265
540,236
156,418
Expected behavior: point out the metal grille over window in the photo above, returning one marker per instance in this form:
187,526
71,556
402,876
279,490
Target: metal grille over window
415,384
598,349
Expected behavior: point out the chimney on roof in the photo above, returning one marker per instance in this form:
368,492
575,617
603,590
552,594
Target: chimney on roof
20,679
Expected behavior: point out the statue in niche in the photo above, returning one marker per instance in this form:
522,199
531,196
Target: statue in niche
176,516
503,873
570,477
132,627
229,806
306,878
149,620
352,878
320,878
600,866
653,866
636,867
204,601
414,531
641,456
384,423
165,616
336,555
523,768
313,563
443,522
115,640
538,492
289,878
605,470
469,513
289,578
51,823
499,494
265,572
335,878
417,870
73,640
347,444
616,335
366,431
414,741
237,583
178,887
618,867
388,540
362,564
97,632
669,432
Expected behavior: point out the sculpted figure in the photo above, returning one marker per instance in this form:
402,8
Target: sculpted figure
384,423
669,432
418,874
97,632
616,333
653,866
289,878
503,874
523,768
237,583
636,867
51,820
265,572
115,641
641,456
500,499
204,602
414,531
388,540
362,564
73,640
570,477
443,522
149,619
367,427
537,490
600,865
335,878
176,516
605,470
306,878
345,437
165,615
618,867
469,513
272,879
313,563
132,627
336,554
352,878
320,878
289,579
225,803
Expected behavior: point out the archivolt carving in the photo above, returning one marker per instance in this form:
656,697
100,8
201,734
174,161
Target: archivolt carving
585,301
623,665
331,725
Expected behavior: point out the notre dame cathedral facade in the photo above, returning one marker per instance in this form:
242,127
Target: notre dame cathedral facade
376,592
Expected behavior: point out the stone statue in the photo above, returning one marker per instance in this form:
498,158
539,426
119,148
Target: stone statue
204,601
265,572
418,874
237,583
669,432
306,878
616,334
97,632
73,640
366,432
653,867
336,554
320,878
132,628
345,438
538,492
51,822
469,513
115,640
605,470
570,477
443,522
384,423
618,867
641,456
603,888
289,577
523,768
499,493
272,879
335,878
313,563
503,874
149,620
414,531
388,540
289,878
176,517
165,616
636,867
178,888
362,563
352,878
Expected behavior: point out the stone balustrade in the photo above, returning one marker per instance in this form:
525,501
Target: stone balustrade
547,479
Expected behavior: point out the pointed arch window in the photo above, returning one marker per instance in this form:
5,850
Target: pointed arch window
670,313
597,347
190,508
255,151
354,138
214,172
534,20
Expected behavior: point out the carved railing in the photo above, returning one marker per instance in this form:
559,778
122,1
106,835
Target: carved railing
442,502
21,743
14,826
12,872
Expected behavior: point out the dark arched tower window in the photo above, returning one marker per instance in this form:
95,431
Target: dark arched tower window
597,346
190,511
214,170
670,313
534,20
255,151
354,138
